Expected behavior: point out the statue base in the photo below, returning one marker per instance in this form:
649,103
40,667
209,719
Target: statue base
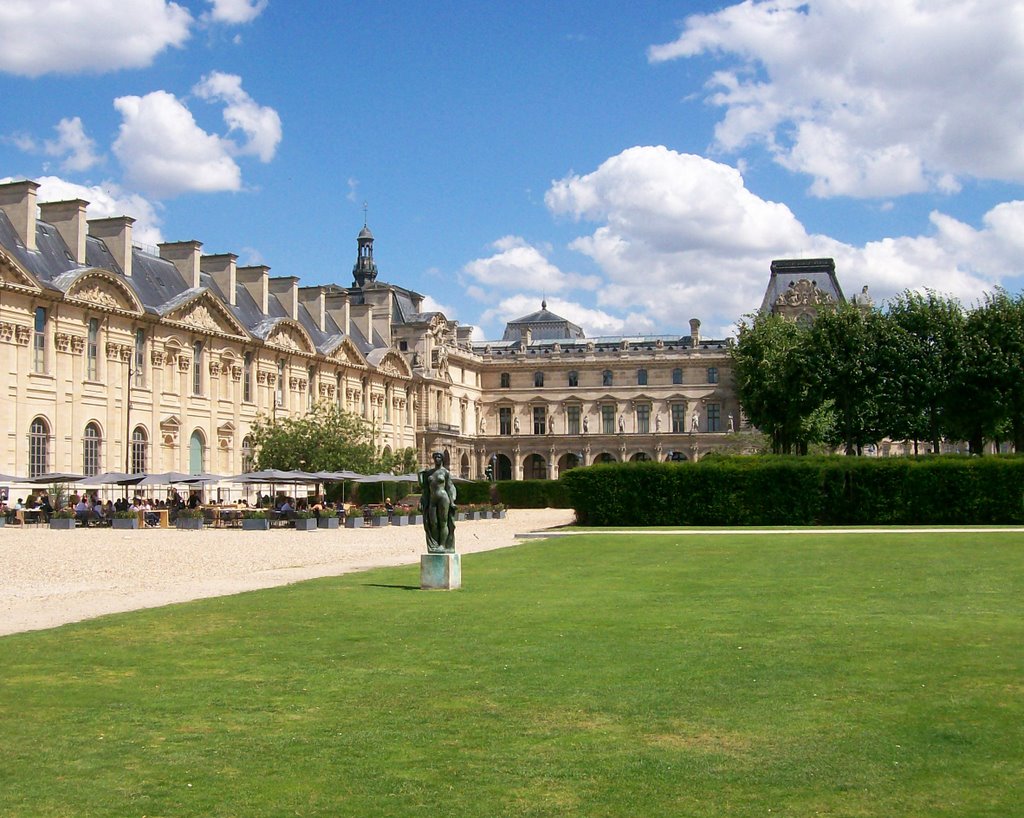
440,572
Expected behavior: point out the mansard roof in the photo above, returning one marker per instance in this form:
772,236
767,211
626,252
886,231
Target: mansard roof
786,283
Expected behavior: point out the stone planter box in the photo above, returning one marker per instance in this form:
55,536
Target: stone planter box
460,516
328,522
3,521
499,515
255,524
415,519
400,519
485,515
189,523
379,522
308,524
354,522
472,515
61,523
125,522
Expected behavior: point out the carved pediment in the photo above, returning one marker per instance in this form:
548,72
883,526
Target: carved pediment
395,365
291,337
803,293
102,290
346,353
206,314
11,274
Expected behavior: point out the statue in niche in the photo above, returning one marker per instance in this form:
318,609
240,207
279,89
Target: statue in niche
695,421
515,425
586,425
438,506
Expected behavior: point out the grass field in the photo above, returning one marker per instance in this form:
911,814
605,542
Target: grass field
801,675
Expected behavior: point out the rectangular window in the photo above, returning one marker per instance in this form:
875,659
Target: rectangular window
608,419
678,418
506,380
641,377
140,358
538,379
677,376
39,342
539,420
572,420
714,417
505,420
197,368
712,374
310,389
92,350
279,393
247,378
643,418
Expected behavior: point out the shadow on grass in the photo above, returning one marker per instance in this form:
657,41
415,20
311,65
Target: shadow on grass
395,587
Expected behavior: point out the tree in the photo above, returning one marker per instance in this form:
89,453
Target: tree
326,439
923,354
773,382
844,365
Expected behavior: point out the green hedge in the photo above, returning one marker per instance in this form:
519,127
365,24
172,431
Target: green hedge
801,491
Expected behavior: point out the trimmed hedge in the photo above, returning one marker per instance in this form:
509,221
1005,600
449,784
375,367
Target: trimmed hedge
801,491
515,493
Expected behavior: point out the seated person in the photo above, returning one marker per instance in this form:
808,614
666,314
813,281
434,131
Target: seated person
286,506
193,500
83,511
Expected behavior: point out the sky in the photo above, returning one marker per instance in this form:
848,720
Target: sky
635,165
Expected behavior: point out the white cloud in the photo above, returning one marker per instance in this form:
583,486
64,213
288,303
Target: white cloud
106,199
71,141
431,304
874,98
164,152
260,124
518,265
236,11
87,36
679,236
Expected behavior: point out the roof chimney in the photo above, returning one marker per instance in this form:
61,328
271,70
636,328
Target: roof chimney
314,300
337,306
69,219
695,331
18,201
369,323
221,268
286,288
116,234
255,279
185,256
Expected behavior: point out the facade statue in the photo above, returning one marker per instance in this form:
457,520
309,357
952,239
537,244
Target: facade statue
551,424
483,425
695,421
438,506
515,425
586,425
622,424
657,422
732,426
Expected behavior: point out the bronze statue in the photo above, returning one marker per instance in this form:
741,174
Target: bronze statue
438,507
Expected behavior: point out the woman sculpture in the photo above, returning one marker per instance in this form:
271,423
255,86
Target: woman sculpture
438,507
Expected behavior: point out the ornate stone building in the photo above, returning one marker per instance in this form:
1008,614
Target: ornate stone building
119,358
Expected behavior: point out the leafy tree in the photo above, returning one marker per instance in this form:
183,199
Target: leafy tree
843,367
923,354
326,439
773,382
991,387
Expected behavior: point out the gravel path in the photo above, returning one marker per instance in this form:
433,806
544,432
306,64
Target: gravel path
49,578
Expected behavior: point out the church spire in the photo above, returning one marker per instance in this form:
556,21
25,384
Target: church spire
365,269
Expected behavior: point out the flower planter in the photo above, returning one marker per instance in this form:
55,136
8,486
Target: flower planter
62,523
255,524
189,523
328,522
3,521
472,515
484,515
499,514
125,522
354,522
460,516
379,522
400,519
307,524
415,519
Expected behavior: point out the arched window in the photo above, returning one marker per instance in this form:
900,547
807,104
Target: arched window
197,368
196,453
38,448
91,445
140,444
246,453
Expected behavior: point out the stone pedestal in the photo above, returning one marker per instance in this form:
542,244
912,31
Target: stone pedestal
440,572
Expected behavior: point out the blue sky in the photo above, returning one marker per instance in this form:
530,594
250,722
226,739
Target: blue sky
634,164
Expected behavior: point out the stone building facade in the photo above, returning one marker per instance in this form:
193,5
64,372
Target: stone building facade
118,358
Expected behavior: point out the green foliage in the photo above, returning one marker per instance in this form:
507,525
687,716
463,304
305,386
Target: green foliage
531,494
801,491
680,675
326,439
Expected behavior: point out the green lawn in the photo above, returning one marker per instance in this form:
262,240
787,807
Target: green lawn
800,675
